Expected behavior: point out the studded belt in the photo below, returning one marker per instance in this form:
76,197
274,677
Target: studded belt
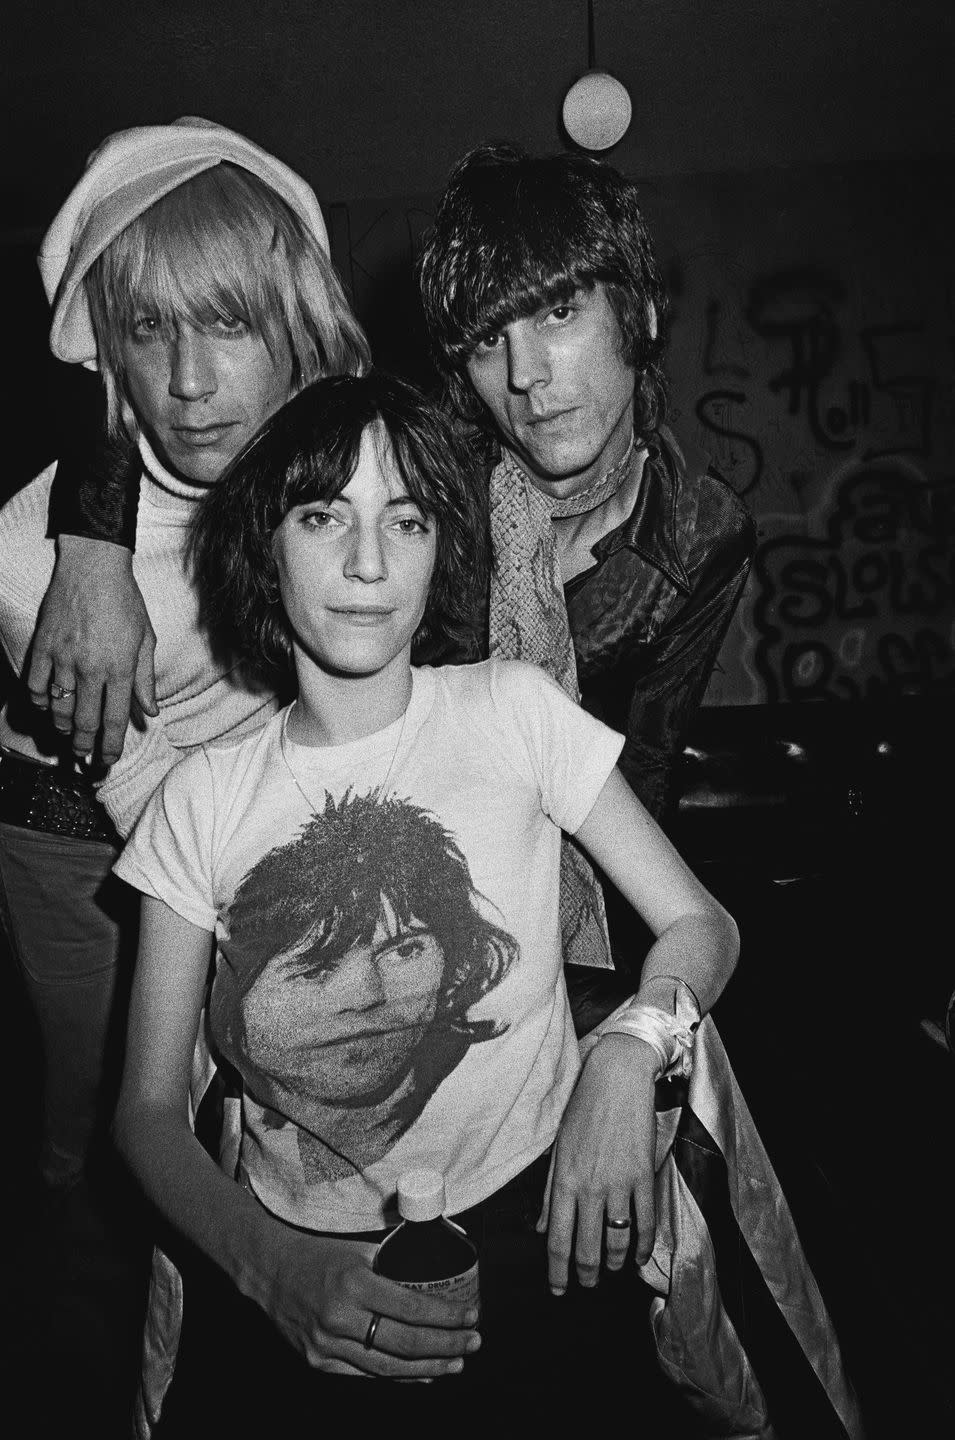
52,799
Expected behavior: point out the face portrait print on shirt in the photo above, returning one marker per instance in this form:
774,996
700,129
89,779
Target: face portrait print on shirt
355,953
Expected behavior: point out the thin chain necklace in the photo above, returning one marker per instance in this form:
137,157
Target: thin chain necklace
283,747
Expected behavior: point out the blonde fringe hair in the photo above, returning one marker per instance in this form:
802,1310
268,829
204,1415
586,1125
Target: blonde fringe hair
224,245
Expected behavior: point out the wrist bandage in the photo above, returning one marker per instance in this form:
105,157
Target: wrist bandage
671,1037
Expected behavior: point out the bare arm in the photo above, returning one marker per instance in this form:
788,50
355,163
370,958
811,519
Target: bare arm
320,1293
697,941
603,1165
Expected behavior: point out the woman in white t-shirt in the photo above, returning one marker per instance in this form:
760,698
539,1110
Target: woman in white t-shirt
380,868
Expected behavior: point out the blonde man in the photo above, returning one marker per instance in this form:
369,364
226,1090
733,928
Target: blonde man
190,267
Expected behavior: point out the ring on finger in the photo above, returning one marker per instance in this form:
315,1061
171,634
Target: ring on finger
617,1224
61,692
371,1332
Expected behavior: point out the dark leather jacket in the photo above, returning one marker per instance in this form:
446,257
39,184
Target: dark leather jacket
649,618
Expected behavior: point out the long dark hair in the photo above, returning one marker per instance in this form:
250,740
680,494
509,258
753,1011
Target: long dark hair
328,883
309,451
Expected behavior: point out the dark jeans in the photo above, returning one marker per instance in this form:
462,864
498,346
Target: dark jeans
581,1354
71,928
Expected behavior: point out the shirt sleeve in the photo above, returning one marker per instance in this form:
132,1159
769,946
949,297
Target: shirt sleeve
148,757
569,753
26,564
169,854
95,491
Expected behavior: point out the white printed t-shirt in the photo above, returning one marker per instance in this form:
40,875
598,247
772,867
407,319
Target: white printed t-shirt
388,977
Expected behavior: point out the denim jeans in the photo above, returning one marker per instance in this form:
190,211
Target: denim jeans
71,927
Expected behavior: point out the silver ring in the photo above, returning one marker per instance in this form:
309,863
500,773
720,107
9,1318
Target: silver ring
60,692
371,1332
617,1224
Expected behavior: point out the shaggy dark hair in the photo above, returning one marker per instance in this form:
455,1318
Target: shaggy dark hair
328,886
514,234
313,899
309,450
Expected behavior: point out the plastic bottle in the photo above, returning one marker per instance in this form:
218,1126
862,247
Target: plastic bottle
427,1251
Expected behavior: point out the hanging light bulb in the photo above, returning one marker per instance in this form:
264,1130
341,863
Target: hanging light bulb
597,108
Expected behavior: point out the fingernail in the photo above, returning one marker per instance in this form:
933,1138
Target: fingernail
455,1367
558,1289
474,1343
470,1317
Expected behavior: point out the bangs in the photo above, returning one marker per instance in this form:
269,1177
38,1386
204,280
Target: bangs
223,246
321,475
514,235
504,294
203,253
325,468
417,467
513,268
356,903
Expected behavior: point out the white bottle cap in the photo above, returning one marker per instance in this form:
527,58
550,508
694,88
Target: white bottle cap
420,1194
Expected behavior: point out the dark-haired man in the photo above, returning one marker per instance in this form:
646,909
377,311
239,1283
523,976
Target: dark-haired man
618,564
546,312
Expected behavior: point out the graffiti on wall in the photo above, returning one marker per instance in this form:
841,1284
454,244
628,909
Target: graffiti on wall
865,608
839,434
888,407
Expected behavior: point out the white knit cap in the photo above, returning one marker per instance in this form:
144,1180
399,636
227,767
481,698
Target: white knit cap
126,174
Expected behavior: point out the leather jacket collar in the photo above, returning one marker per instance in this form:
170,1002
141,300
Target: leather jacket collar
652,531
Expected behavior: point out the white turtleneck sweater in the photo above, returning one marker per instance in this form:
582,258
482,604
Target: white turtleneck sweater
199,700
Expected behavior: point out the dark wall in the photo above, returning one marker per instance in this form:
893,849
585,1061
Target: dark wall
379,97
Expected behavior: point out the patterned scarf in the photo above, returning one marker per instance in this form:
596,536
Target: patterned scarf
528,621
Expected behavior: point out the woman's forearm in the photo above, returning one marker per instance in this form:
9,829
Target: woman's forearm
319,1291
218,1216
700,950
697,941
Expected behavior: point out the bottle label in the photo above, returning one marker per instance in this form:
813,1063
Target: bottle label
464,1287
